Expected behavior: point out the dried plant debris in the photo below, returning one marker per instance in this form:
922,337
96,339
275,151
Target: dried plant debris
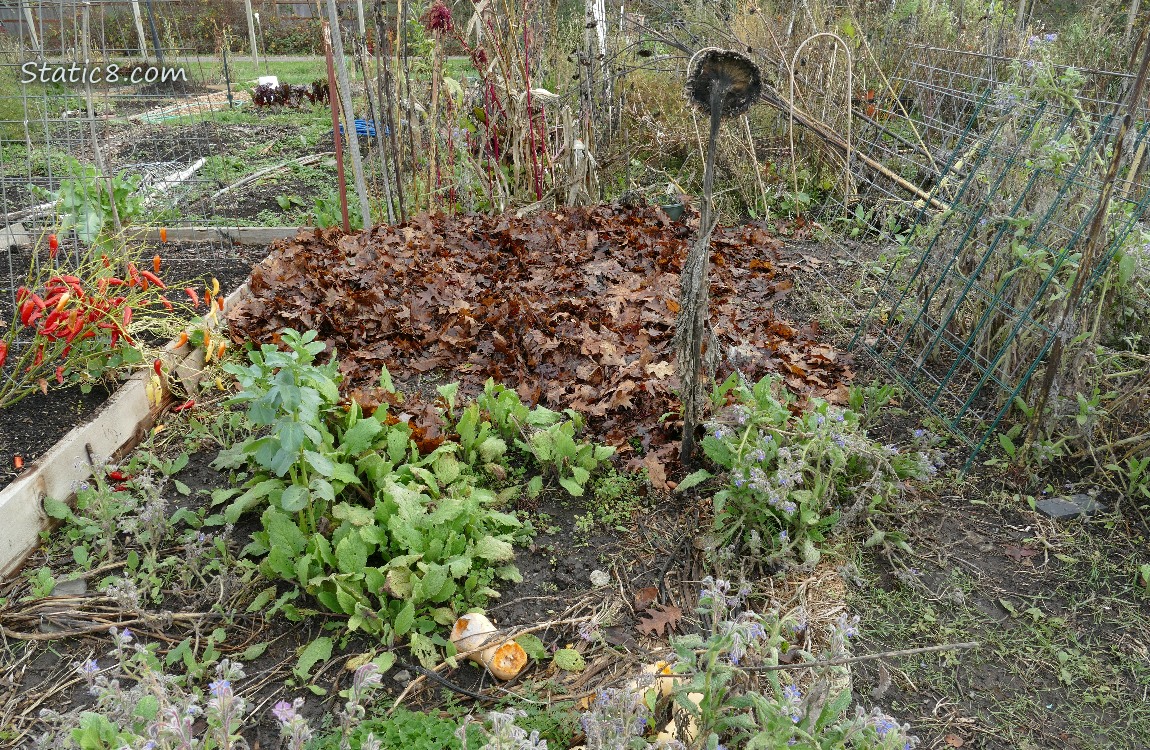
573,308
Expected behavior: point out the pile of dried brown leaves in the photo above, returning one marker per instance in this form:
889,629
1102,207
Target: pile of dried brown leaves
573,308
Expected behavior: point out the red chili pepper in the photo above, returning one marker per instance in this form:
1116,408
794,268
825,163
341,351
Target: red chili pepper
39,356
153,278
166,303
184,406
22,294
194,297
133,275
116,282
60,374
53,245
127,317
102,287
26,311
105,261
3,352
40,303
158,366
117,476
121,488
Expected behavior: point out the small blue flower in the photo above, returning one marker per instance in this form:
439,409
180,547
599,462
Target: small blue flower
792,693
220,687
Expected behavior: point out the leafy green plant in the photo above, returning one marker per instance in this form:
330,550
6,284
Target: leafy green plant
353,514
785,475
545,435
327,212
289,202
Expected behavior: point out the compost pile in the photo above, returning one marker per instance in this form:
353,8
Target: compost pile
573,308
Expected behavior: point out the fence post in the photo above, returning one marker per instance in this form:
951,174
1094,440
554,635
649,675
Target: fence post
344,94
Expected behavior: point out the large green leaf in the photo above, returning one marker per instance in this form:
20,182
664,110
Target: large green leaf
405,619
490,548
295,498
361,436
315,652
351,554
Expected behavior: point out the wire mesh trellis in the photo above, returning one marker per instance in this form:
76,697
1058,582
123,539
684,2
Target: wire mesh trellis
970,301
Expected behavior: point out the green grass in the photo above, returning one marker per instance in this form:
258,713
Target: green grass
1064,658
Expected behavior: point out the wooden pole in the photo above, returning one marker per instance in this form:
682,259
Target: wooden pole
139,18
344,94
1131,17
333,99
359,19
30,21
694,285
252,34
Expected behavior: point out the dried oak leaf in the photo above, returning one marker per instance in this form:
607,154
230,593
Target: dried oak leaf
646,596
1017,552
660,618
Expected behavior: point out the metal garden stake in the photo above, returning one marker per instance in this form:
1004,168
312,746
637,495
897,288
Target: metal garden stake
725,84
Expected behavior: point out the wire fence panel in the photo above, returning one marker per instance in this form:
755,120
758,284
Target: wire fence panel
970,298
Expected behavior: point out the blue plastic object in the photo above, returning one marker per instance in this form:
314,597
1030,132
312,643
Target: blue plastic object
365,128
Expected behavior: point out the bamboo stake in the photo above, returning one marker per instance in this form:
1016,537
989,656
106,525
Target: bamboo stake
139,18
97,155
386,84
30,21
375,109
252,33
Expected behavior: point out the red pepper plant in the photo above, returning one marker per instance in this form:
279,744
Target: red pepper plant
77,323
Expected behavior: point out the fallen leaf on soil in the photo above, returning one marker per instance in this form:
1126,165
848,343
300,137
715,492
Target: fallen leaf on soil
953,740
645,597
1017,552
660,618
656,472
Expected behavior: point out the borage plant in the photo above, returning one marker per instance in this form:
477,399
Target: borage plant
788,476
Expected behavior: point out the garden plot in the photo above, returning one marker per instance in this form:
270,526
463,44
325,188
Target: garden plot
168,547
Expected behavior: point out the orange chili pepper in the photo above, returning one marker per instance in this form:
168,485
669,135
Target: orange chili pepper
193,296
156,262
183,339
149,276
53,245
163,238
18,462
